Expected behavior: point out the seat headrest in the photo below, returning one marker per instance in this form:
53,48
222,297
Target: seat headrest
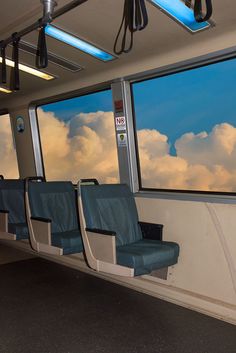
112,207
54,200
12,199
11,184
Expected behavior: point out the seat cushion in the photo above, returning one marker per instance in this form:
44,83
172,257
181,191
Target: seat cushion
147,255
70,242
19,229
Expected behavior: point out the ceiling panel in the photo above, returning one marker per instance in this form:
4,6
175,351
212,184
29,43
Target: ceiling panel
97,21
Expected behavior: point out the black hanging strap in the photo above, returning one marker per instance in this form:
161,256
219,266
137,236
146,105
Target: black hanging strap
42,54
134,19
188,3
198,13
199,16
15,74
3,71
140,14
126,23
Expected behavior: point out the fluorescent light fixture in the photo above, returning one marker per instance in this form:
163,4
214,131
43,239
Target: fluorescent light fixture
177,10
5,90
78,43
29,70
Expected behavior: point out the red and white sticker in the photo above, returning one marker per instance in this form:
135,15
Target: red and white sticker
120,123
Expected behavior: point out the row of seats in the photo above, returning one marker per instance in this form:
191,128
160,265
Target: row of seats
99,220
13,224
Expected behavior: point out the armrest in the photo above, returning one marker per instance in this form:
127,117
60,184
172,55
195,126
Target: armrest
92,181
102,244
4,211
4,221
151,230
41,229
100,231
41,219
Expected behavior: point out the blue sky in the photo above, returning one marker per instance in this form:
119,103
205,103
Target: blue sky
67,109
191,101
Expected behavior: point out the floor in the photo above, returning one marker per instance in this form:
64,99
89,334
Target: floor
49,308
9,254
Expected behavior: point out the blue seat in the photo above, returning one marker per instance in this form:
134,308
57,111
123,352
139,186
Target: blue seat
70,242
56,202
12,201
113,208
147,255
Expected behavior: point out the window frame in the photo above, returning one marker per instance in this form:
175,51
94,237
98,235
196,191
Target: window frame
62,97
164,72
190,63
6,112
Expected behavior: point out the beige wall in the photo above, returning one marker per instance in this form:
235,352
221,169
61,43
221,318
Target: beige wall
206,234
24,145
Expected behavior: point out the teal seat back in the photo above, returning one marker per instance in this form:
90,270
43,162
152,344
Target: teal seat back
112,207
12,200
55,201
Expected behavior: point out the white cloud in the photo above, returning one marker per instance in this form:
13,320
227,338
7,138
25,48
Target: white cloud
8,161
216,148
85,147
203,162
153,143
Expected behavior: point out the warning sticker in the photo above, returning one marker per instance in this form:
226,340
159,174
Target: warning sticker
122,140
120,123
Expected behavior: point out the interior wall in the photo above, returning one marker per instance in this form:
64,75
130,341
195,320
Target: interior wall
24,144
206,235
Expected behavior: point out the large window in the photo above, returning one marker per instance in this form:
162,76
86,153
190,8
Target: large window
78,138
186,129
8,160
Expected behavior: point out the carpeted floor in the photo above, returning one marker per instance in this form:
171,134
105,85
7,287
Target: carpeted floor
10,254
49,308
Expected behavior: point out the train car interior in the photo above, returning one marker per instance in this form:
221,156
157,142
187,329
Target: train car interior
118,176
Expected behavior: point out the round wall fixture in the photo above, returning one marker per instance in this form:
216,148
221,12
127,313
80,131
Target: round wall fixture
20,124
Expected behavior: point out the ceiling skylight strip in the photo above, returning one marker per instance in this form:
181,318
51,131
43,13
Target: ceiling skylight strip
177,10
29,70
5,90
78,43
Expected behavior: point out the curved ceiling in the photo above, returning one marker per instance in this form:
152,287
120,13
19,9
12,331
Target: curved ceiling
97,21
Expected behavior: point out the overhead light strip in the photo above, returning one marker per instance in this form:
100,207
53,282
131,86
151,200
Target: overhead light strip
78,43
5,90
29,70
184,15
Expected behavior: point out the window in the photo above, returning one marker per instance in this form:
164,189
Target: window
186,129
78,138
177,10
8,160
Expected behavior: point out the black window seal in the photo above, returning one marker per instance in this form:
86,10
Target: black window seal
174,70
60,98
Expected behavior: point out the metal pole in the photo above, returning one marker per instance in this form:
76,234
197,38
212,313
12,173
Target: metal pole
48,9
36,25
67,8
